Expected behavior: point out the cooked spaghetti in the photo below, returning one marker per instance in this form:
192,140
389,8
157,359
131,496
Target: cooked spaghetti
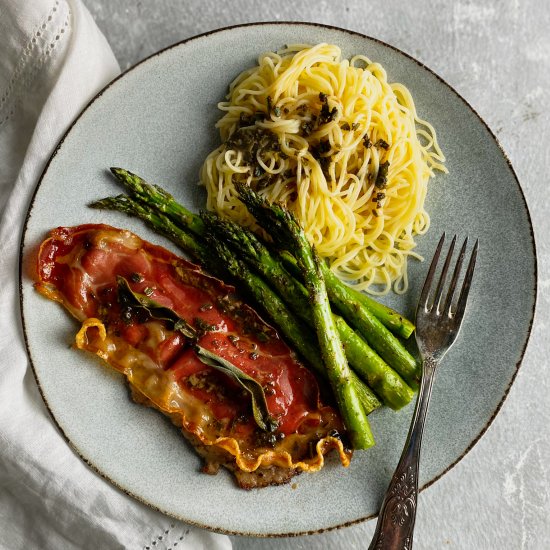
340,147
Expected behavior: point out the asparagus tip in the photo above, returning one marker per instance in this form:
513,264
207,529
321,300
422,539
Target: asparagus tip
117,172
111,203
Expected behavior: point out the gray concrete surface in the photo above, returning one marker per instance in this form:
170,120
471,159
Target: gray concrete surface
497,55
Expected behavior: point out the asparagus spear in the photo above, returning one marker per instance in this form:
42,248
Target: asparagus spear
371,328
288,324
282,225
386,383
158,222
163,201
390,318
371,367
258,256
378,336
156,196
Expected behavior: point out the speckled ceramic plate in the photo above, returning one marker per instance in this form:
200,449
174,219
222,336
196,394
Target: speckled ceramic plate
157,119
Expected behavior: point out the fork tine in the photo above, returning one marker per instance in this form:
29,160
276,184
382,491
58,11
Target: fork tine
423,302
461,306
443,276
454,280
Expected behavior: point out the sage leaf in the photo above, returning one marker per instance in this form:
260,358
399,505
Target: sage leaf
127,297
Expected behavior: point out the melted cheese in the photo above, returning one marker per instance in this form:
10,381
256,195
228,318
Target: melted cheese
170,397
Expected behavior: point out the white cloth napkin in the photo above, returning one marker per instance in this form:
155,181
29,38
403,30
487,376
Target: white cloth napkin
53,59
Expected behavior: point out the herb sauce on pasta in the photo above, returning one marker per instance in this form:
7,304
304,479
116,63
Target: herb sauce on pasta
339,146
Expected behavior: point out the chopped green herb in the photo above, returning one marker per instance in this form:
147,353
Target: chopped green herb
202,326
262,337
345,127
258,171
307,128
253,140
250,120
367,142
323,147
382,177
327,115
136,277
383,144
264,439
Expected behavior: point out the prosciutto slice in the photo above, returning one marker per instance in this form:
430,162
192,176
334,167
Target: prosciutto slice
79,267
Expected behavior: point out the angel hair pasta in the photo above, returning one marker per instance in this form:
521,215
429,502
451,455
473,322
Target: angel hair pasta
340,147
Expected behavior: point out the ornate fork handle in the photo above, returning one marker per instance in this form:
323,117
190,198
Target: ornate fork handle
437,325
394,530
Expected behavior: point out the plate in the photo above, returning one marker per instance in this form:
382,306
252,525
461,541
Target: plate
157,119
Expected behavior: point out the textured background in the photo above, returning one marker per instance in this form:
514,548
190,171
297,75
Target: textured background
496,54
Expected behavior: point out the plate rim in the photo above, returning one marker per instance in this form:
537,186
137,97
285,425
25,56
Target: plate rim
143,61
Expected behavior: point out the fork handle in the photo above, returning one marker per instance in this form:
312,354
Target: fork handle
394,529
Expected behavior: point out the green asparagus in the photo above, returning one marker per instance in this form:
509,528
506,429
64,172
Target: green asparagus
365,322
378,336
158,222
159,198
372,369
389,386
390,318
280,224
290,326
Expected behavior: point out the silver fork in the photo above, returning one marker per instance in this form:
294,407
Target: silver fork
438,321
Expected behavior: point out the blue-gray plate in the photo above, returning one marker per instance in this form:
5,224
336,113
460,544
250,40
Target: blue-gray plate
157,120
